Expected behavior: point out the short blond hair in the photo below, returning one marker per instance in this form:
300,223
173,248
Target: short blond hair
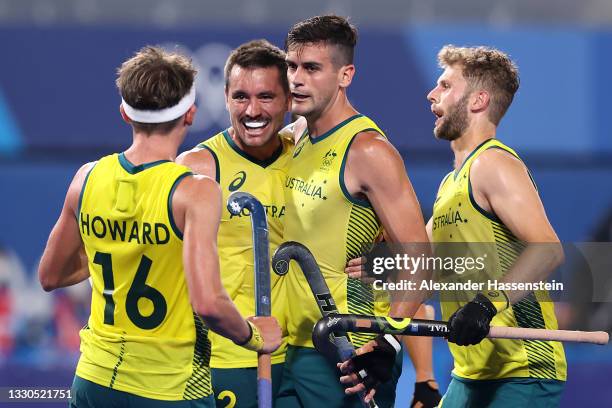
486,68
155,79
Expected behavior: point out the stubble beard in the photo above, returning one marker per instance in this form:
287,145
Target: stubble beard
455,122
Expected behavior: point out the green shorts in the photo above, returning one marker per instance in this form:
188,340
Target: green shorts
87,394
237,387
505,393
312,381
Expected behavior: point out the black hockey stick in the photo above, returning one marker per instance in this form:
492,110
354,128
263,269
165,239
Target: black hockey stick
339,343
324,330
236,203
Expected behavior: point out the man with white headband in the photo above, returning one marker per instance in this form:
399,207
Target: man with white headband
145,229
249,156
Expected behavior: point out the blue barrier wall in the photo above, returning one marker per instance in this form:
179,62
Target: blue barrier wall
57,85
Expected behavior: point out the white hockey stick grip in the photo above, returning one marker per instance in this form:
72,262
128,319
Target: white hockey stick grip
597,337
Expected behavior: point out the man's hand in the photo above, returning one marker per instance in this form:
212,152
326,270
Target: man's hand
470,323
426,395
355,268
371,365
269,330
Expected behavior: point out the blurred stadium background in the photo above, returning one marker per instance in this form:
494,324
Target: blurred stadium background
59,109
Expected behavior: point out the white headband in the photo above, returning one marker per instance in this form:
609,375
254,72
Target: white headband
161,115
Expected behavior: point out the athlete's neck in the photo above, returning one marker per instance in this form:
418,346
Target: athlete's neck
337,111
263,152
154,147
467,142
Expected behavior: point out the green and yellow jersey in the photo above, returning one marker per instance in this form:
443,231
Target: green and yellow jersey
457,218
237,171
143,336
322,215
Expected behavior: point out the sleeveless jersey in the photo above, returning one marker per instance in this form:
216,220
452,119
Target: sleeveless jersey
143,336
237,171
336,227
457,218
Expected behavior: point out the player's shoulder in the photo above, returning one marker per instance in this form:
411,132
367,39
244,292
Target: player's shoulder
496,169
199,183
195,194
370,156
86,168
78,183
193,156
200,160
371,143
82,173
496,160
195,187
366,131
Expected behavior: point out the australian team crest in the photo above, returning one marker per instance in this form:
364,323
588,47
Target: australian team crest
328,159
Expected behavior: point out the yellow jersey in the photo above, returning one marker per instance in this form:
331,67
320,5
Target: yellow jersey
322,215
457,218
142,336
237,171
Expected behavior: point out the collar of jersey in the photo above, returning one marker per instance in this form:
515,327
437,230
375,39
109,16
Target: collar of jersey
133,169
263,163
332,130
468,157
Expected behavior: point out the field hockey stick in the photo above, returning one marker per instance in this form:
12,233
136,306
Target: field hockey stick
340,345
236,202
326,327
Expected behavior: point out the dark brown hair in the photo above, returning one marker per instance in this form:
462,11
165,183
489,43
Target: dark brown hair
258,54
328,29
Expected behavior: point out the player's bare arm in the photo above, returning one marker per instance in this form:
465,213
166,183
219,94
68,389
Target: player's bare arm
386,185
429,229
64,262
501,185
200,161
197,209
